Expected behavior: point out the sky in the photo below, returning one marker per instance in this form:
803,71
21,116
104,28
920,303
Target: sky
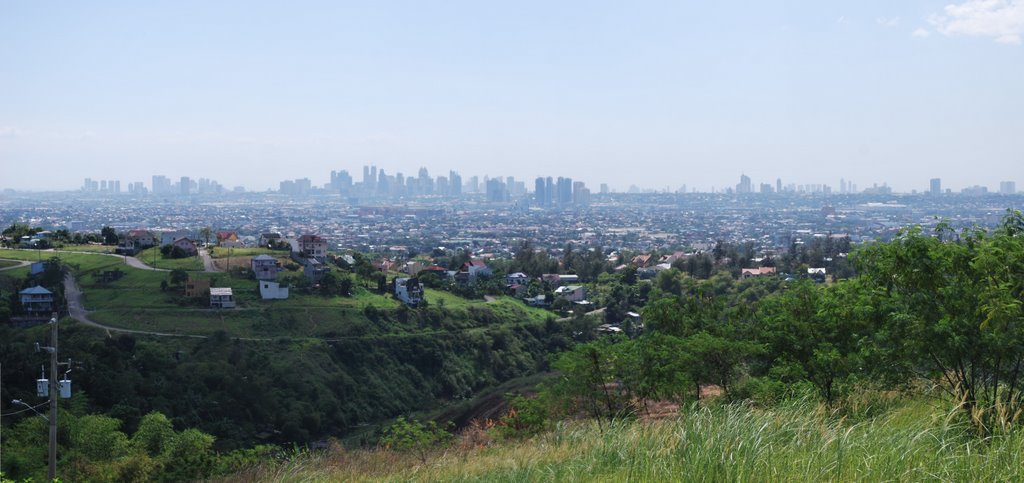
652,94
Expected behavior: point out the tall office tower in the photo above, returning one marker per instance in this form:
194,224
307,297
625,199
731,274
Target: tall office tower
1007,187
549,191
604,188
778,185
454,183
539,192
564,191
103,185
161,185
184,185
441,186
496,191
115,186
341,182
473,185
744,184
87,185
580,193
936,186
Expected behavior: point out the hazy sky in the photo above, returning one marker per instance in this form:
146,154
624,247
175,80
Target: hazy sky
656,94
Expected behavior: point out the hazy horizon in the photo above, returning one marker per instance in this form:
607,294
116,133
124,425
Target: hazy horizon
658,94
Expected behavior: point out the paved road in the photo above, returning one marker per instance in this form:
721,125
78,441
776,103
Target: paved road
208,265
77,311
132,261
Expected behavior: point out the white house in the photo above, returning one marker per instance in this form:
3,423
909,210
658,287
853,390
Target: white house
518,278
572,293
409,290
272,291
169,237
221,298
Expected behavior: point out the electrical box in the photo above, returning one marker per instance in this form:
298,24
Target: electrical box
65,388
43,387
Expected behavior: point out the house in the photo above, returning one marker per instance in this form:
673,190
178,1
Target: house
37,268
311,246
36,300
518,278
272,291
226,236
412,267
141,238
187,245
314,270
472,269
516,290
409,290
572,293
538,301
169,237
221,298
757,272
555,280
197,287
818,274
265,267
642,261
268,240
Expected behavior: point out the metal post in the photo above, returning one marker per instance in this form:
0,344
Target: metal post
53,400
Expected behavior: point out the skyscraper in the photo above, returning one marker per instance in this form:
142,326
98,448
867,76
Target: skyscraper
744,184
1007,187
936,186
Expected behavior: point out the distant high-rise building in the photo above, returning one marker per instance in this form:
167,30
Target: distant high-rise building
184,185
454,183
496,191
539,192
341,182
161,185
580,194
564,191
936,186
778,185
115,186
744,185
1007,187
604,188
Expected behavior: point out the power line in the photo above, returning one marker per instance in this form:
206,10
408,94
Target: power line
28,408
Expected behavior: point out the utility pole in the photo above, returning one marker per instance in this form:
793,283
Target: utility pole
52,474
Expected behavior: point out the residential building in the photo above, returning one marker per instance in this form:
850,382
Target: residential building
265,267
272,291
221,298
142,238
197,287
187,245
36,300
572,293
311,246
409,290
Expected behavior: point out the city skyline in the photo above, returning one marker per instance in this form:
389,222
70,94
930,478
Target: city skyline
656,94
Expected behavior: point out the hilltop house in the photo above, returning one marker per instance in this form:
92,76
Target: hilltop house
311,246
409,290
141,238
518,278
268,239
555,280
187,245
472,269
757,272
197,287
36,300
228,239
221,298
272,291
572,293
265,267
169,237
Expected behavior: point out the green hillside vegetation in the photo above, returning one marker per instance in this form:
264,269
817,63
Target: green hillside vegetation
801,440
147,256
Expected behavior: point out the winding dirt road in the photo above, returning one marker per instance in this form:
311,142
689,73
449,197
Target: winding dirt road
77,311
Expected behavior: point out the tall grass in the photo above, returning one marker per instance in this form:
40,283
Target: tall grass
799,441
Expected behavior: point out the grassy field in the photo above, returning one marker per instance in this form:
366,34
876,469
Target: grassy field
8,263
220,252
189,263
799,441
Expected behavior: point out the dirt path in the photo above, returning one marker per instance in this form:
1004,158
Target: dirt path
208,265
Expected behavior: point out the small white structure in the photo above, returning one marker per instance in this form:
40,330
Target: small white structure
273,291
572,293
222,298
409,290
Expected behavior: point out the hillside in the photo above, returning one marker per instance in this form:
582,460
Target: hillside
874,440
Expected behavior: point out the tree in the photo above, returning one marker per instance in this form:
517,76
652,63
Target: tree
206,232
109,235
329,284
178,276
956,312
414,436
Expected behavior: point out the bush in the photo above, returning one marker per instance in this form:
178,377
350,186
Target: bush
414,436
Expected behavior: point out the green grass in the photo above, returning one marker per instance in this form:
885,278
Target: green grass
221,252
8,263
88,248
799,441
189,263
